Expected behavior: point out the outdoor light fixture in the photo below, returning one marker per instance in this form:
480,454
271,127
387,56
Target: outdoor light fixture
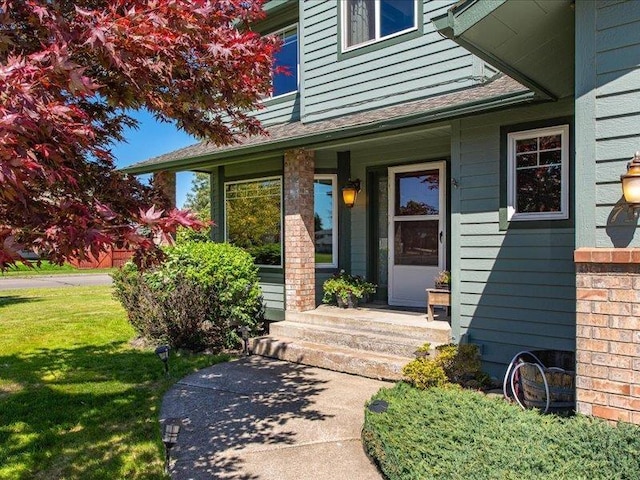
244,332
350,192
170,433
631,182
163,354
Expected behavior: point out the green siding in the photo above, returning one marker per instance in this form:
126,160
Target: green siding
413,66
607,119
513,288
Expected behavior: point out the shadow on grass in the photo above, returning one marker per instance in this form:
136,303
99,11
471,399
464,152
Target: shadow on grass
246,404
86,412
6,300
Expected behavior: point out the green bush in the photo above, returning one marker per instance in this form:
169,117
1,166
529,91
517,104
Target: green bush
267,254
458,364
445,434
186,235
196,298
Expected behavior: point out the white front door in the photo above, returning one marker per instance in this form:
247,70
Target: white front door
416,231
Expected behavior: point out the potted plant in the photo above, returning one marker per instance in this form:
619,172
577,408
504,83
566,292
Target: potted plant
443,280
346,290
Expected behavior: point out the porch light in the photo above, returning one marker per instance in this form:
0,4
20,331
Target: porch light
350,192
631,182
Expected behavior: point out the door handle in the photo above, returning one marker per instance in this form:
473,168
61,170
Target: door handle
440,236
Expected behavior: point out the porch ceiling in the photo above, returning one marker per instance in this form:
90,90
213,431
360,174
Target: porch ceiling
530,40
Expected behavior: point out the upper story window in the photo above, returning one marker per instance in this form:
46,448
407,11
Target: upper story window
367,21
284,83
538,174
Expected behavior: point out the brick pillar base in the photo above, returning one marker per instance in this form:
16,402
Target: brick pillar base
299,237
608,333
165,182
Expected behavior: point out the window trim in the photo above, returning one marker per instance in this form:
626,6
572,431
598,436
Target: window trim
282,30
259,179
334,217
378,38
512,137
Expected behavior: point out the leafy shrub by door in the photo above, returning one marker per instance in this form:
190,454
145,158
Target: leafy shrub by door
196,298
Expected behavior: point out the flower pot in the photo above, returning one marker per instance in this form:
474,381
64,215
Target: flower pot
350,302
443,286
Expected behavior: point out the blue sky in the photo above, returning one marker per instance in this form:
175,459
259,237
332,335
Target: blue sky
151,139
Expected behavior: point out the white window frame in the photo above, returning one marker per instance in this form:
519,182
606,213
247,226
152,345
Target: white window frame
280,31
257,180
334,217
563,214
378,38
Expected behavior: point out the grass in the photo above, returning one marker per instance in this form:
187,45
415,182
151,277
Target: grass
47,268
450,433
76,400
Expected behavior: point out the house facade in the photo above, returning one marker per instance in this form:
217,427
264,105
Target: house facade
476,149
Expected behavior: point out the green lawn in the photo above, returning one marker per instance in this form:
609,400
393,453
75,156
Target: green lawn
47,268
76,401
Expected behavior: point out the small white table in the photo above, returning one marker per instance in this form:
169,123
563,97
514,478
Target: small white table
437,296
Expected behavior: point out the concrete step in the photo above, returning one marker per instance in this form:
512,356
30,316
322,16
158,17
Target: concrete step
352,337
385,322
348,360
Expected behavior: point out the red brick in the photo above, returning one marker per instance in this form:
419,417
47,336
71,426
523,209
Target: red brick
594,319
614,334
611,281
635,255
621,256
629,349
624,296
623,375
590,396
585,383
583,281
626,322
622,401
635,418
592,294
584,306
611,360
611,387
635,390
611,413
601,255
593,371
592,345
582,256
611,308
582,331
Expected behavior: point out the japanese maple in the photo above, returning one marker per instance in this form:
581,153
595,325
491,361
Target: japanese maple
70,70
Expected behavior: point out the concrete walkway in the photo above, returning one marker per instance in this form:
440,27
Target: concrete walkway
260,419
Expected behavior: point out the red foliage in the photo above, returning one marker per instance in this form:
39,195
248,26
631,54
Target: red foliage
70,70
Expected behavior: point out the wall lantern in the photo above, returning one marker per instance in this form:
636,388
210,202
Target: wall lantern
350,192
631,182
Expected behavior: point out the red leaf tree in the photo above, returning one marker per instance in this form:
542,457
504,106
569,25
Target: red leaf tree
70,70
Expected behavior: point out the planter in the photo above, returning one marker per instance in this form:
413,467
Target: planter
443,286
351,302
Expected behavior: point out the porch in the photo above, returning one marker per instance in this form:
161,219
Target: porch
374,340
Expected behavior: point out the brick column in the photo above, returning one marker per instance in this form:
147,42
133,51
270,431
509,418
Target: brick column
608,333
165,182
299,236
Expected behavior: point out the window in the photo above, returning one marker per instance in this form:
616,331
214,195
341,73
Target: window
325,203
367,21
538,174
286,82
253,218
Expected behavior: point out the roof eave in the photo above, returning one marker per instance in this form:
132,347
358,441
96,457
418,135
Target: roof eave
324,138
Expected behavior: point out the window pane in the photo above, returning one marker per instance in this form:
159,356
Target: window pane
553,141
416,243
417,193
286,82
550,157
526,160
360,21
528,145
396,16
539,189
254,219
323,220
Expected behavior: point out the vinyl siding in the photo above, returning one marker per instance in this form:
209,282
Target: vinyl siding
393,72
608,55
514,288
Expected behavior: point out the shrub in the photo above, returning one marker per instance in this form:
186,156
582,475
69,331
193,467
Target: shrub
458,364
185,235
343,284
447,434
267,254
196,298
